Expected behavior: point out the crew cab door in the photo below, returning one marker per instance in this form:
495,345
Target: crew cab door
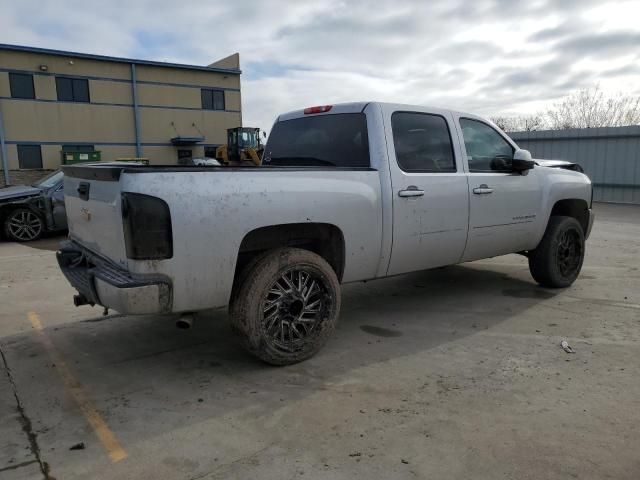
504,205
430,195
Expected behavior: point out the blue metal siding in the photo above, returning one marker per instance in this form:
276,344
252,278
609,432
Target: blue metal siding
609,155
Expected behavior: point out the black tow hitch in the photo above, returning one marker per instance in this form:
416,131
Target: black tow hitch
80,299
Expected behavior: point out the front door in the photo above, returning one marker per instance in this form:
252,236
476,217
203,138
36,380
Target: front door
430,191
504,205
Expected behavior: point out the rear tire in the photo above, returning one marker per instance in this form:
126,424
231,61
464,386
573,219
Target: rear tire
557,260
286,306
23,225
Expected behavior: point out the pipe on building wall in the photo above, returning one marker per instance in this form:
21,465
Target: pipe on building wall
136,110
3,153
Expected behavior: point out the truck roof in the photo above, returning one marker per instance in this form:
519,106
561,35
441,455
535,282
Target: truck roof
356,107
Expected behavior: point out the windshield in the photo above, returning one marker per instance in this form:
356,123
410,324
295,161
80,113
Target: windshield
50,180
338,140
249,138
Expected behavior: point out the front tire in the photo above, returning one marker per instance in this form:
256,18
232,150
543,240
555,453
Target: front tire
286,306
23,225
557,261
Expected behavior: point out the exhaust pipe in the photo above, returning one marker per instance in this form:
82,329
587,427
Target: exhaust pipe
185,321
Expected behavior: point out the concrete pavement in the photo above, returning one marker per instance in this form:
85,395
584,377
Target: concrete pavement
453,373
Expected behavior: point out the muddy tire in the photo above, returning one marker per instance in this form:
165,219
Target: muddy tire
557,261
23,225
286,306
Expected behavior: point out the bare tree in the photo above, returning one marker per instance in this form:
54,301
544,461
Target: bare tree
522,123
591,108
504,123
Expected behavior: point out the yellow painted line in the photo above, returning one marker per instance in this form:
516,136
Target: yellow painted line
100,428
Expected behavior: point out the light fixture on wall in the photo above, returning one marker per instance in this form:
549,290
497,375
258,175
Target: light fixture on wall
43,68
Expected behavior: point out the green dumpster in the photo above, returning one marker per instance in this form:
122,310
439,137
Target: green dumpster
69,158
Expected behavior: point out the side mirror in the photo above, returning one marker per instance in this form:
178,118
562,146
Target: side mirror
522,161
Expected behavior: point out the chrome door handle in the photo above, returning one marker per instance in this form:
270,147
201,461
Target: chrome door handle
411,191
482,190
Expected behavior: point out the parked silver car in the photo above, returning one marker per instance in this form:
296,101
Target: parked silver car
28,211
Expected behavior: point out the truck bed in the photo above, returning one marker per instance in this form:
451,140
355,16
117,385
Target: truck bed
213,209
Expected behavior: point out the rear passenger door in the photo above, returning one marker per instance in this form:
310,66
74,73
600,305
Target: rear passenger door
430,191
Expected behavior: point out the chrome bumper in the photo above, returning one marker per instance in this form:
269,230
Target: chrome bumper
101,282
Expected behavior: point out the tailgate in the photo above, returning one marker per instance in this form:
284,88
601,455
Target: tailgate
94,212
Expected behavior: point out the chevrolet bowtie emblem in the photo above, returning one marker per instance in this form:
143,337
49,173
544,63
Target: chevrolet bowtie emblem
86,214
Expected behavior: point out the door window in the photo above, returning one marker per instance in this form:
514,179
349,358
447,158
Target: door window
29,156
184,157
422,142
210,151
487,150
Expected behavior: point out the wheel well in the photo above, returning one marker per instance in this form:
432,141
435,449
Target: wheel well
322,238
576,208
5,210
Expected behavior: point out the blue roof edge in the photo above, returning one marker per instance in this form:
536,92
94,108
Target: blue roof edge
106,58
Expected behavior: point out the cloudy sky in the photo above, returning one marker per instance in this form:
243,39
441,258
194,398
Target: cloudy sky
486,56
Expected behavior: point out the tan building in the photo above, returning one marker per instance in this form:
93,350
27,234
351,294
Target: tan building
53,101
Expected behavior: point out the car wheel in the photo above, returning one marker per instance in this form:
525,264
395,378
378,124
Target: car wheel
23,225
557,261
287,306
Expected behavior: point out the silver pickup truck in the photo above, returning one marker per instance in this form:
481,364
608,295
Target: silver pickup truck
346,193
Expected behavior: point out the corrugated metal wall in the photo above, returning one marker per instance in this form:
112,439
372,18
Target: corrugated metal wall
610,156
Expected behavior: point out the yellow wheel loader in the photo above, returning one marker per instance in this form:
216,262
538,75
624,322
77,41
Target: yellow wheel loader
243,147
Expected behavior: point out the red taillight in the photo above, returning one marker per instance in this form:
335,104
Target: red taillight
318,109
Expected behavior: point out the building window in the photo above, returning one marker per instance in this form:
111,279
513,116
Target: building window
212,99
210,152
72,89
29,156
78,148
21,85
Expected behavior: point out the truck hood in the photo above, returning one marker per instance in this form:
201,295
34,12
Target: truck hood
18,191
558,164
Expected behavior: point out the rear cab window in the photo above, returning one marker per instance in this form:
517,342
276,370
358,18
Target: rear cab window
422,142
335,140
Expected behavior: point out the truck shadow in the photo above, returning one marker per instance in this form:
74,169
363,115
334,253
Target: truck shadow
126,363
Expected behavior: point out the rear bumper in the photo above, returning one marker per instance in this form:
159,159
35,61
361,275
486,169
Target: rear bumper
590,226
103,283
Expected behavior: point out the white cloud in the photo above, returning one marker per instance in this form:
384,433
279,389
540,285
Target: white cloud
487,56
